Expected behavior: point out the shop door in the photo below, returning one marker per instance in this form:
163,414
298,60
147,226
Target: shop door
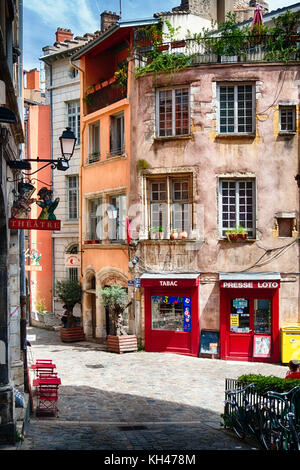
249,326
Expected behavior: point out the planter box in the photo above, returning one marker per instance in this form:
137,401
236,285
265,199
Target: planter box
178,44
120,344
69,335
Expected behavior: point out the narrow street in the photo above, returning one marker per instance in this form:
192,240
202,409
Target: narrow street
135,401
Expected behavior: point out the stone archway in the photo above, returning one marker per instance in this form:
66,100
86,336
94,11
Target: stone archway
106,277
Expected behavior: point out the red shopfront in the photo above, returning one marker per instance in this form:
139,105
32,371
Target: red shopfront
171,313
249,317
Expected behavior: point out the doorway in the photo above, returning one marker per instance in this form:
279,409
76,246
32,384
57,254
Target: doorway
249,325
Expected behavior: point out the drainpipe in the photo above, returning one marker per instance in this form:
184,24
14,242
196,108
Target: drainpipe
23,313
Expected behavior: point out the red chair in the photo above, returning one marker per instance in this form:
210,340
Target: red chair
47,399
47,374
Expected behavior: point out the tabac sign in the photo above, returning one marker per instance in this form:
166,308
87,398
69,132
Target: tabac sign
22,206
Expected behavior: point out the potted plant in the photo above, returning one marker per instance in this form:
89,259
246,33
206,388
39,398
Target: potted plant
183,234
115,299
174,234
237,233
160,232
153,231
69,294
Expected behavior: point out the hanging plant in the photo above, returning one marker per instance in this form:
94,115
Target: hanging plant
121,76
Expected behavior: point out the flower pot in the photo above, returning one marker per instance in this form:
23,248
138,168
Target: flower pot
174,235
178,44
121,344
183,234
87,242
98,86
152,235
69,335
163,47
94,242
105,83
160,235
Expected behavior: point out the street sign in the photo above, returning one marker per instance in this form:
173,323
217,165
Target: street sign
72,261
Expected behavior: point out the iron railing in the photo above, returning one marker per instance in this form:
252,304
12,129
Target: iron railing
211,50
104,97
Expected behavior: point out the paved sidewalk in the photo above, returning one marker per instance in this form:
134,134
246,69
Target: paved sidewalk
135,401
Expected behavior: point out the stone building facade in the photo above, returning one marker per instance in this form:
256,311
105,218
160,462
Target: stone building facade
12,279
62,88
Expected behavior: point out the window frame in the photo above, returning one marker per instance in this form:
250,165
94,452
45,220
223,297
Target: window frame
169,201
90,233
113,149
69,190
94,153
76,115
237,181
285,107
157,113
235,85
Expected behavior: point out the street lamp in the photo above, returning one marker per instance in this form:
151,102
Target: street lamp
67,145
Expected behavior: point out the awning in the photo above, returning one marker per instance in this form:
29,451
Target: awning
250,276
170,279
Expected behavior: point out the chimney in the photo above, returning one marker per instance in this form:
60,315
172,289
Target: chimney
108,19
224,6
62,34
33,80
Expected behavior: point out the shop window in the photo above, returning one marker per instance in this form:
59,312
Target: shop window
170,204
262,316
117,142
94,142
239,316
287,119
173,113
172,313
73,118
236,109
237,206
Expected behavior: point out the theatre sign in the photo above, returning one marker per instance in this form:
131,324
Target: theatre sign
21,208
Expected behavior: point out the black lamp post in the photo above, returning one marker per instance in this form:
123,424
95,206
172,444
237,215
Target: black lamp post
67,145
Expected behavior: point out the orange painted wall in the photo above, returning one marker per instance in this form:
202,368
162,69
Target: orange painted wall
107,174
39,145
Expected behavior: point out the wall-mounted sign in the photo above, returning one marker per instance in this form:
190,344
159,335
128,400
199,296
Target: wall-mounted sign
72,261
33,224
22,206
250,284
33,268
261,346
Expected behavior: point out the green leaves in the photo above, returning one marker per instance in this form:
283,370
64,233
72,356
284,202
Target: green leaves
68,292
265,384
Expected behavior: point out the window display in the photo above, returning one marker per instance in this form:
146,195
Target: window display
239,316
262,316
171,313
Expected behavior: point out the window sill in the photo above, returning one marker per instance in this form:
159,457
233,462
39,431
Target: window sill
247,240
167,241
235,135
104,245
287,133
173,137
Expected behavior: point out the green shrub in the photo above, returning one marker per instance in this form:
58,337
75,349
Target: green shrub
270,383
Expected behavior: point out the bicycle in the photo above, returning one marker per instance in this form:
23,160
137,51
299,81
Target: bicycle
242,417
281,423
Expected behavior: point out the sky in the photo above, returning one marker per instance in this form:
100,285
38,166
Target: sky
42,18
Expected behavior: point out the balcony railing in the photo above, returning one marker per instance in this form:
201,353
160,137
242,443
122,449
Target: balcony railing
224,50
104,97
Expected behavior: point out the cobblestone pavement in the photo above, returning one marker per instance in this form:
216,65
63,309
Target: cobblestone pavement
135,401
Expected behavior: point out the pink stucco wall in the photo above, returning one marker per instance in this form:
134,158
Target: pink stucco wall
268,157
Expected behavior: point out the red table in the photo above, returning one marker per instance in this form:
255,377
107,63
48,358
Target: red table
43,366
46,381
